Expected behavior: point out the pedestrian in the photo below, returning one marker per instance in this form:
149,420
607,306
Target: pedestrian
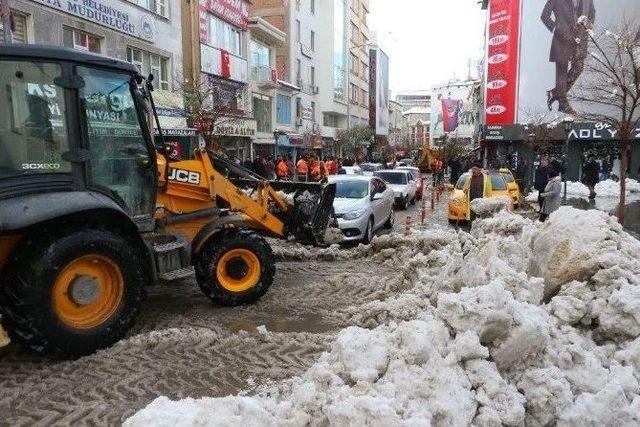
455,167
476,184
302,169
248,164
542,177
551,195
315,173
522,169
282,170
591,175
331,166
259,167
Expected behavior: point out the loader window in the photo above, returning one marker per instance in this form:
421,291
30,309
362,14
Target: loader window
33,132
120,159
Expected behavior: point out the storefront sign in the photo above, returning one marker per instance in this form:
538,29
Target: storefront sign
502,61
236,127
235,12
186,132
127,20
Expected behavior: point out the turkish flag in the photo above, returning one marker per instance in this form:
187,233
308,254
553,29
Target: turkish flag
225,67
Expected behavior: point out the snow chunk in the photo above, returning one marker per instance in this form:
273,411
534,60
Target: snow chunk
487,206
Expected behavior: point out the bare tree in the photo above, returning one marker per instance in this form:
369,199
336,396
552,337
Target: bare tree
610,90
541,128
355,139
208,106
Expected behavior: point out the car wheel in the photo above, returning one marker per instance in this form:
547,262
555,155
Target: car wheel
391,220
368,233
405,203
413,201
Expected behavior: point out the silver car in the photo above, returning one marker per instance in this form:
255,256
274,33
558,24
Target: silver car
363,204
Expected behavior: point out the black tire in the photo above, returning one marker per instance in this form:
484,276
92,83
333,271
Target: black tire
413,201
26,296
207,263
404,204
391,220
368,234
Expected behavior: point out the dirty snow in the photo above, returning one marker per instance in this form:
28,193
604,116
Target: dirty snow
514,323
604,189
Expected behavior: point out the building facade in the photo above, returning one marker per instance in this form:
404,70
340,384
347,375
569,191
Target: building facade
358,43
397,125
419,99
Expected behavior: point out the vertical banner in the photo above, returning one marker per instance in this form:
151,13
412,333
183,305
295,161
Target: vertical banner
225,67
373,87
503,40
202,21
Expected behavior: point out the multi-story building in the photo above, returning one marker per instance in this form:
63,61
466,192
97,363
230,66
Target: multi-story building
215,48
408,100
297,67
397,125
417,121
358,44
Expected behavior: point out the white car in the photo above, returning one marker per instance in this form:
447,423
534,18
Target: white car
352,170
402,183
363,204
371,168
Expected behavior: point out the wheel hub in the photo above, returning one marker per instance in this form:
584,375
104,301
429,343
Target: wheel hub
237,269
84,290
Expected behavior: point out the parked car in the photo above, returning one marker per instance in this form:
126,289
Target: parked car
370,168
352,170
403,185
512,185
363,204
406,162
415,173
459,206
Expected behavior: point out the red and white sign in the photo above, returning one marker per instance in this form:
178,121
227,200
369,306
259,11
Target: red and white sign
203,25
235,12
502,62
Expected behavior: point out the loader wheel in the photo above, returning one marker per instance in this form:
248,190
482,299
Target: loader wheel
235,267
71,294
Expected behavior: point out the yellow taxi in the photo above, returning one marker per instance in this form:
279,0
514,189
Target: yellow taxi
495,185
512,185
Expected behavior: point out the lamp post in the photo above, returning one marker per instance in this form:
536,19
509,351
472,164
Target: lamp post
567,124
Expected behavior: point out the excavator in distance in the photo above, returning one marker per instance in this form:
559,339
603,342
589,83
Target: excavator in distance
92,211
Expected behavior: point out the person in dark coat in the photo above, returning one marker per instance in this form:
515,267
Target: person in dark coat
591,176
522,169
569,45
542,178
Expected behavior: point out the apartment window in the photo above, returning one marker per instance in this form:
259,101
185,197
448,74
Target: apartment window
313,40
365,97
262,112
355,33
298,72
313,111
19,34
354,93
150,63
313,6
260,61
80,40
225,36
298,108
157,6
283,109
365,71
298,31
354,63
313,76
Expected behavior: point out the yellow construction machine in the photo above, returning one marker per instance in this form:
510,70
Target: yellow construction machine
92,211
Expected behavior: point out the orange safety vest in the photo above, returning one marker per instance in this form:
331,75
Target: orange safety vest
331,167
282,169
302,167
315,173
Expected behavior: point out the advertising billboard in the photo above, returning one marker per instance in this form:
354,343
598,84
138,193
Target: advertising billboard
537,51
379,91
452,111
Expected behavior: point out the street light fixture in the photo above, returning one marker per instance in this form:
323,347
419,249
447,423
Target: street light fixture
567,124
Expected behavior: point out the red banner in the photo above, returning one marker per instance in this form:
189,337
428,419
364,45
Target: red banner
503,40
235,12
202,22
225,64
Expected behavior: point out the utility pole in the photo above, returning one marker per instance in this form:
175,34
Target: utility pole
5,16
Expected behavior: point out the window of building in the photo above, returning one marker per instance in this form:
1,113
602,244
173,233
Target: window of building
19,33
340,53
365,71
354,63
80,40
157,6
225,36
298,72
355,33
365,97
313,76
298,108
313,6
313,111
313,40
298,31
262,112
260,61
354,93
283,109
150,63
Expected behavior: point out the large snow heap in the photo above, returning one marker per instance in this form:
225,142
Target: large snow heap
515,322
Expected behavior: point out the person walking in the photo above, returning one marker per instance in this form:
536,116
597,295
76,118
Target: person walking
282,171
542,178
522,169
290,167
592,175
302,169
315,173
552,195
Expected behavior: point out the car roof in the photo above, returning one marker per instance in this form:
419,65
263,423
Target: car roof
57,53
373,164
350,178
408,168
394,171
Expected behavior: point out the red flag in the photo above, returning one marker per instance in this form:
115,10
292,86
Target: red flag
225,68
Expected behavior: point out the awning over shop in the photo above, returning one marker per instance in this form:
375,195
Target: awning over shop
170,108
264,141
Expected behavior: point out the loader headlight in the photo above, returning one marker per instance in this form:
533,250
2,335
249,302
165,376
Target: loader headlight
354,214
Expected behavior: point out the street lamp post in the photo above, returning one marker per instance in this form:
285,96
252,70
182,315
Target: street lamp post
567,124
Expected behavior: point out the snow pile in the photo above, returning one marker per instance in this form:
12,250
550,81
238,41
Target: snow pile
515,323
606,189
488,206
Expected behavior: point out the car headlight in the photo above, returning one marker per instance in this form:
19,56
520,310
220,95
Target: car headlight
354,214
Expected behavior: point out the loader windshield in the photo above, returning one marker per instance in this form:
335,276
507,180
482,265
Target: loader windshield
33,130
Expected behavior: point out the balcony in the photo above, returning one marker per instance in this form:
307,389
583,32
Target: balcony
221,63
265,77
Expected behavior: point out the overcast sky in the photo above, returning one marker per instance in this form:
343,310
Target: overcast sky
428,41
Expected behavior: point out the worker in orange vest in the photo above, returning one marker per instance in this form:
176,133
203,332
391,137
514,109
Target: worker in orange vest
331,166
282,170
315,169
302,169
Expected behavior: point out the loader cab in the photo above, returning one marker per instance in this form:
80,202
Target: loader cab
74,122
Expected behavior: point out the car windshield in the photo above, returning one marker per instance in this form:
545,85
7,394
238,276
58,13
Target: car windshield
507,176
352,189
397,178
462,181
369,167
498,182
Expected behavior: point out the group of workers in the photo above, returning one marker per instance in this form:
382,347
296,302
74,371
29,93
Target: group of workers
308,168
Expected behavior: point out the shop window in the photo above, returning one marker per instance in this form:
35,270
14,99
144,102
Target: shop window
150,63
283,110
80,40
262,112
19,33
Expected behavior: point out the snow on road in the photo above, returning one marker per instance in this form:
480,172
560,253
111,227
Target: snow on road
516,322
